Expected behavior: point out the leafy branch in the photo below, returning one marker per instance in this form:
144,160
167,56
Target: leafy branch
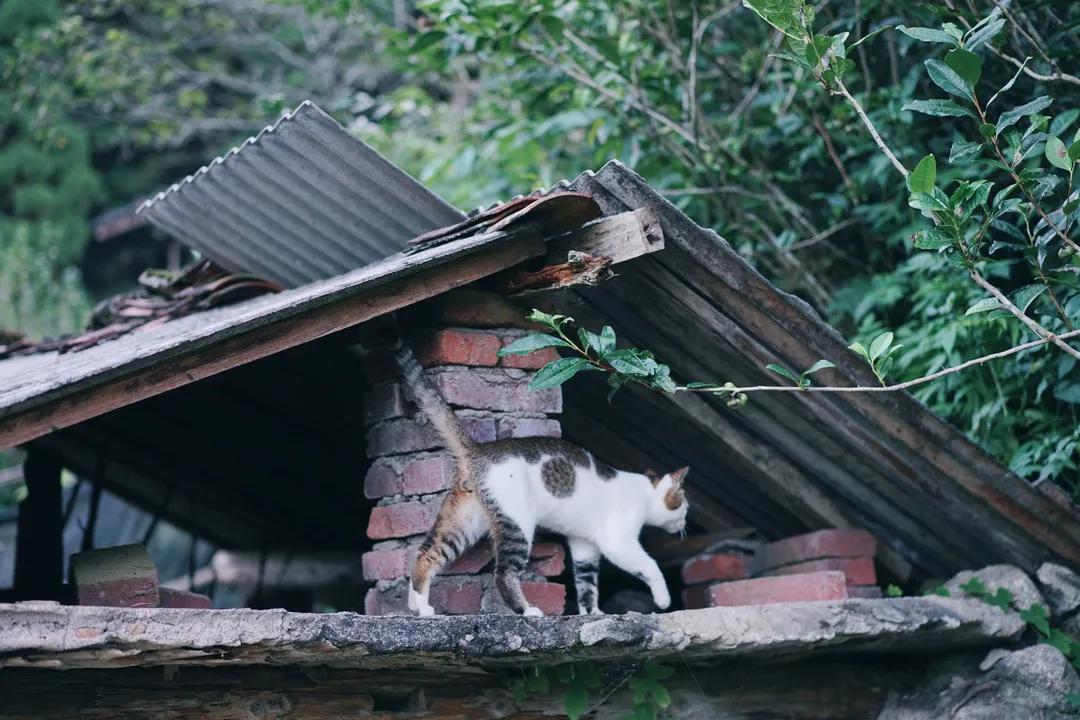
633,365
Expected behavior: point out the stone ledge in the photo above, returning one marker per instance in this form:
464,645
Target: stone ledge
47,635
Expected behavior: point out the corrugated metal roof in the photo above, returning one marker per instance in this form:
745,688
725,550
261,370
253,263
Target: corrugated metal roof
301,201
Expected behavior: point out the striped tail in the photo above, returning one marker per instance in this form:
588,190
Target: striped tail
438,412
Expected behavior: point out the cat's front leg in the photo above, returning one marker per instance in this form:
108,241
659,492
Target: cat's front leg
632,558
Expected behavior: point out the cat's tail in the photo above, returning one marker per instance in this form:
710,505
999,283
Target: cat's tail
438,412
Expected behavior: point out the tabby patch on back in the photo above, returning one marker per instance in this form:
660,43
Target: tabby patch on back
509,488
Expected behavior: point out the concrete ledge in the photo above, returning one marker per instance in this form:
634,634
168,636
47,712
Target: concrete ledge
47,635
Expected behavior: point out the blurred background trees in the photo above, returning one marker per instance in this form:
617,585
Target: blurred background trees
485,99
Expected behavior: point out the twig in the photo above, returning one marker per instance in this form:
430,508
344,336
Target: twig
898,386
1021,316
823,235
1057,76
869,126
827,139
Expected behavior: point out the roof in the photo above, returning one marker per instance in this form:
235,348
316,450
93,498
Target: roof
62,389
301,201
47,635
785,463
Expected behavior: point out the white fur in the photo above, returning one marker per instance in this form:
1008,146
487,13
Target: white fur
602,516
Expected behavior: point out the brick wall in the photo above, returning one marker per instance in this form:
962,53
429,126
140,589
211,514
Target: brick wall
457,342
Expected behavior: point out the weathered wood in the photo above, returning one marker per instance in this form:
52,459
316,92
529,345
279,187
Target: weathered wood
255,330
829,690
579,269
39,542
909,437
621,237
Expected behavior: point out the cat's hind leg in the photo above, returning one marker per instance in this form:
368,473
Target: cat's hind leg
460,523
586,559
512,543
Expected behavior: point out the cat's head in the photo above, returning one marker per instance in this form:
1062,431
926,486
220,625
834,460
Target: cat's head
670,499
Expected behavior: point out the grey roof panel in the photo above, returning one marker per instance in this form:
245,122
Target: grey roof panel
301,201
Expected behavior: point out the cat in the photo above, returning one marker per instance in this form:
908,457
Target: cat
509,488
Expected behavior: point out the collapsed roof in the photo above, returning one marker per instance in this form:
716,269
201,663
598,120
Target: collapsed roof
785,463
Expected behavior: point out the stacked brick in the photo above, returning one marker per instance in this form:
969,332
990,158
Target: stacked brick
822,565
410,469
125,576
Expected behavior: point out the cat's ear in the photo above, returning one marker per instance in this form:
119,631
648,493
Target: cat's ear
678,476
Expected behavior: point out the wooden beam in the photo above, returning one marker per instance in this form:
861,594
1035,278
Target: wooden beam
39,543
234,350
620,237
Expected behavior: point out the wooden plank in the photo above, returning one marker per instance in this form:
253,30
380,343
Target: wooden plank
915,436
215,356
620,237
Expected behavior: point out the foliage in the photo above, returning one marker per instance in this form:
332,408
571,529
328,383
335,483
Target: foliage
1036,616
577,682
747,125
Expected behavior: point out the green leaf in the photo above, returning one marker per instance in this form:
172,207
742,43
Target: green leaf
967,65
1001,598
1074,151
791,17
703,386
607,339
880,344
423,42
552,321
1011,117
868,36
556,372
974,586
1057,154
983,33
937,108
1062,122
1073,699
780,370
554,26
819,365
931,240
859,349
893,591
947,79
1061,641
531,343
927,34
1038,617
988,131
627,362
922,178
577,702
983,305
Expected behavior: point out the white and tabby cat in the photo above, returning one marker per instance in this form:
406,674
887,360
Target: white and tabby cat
509,488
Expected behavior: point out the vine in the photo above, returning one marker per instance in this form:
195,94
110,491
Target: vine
578,681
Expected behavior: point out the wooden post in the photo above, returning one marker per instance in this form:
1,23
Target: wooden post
39,543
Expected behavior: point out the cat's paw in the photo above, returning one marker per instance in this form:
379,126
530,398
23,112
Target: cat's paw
533,611
425,611
661,598
419,604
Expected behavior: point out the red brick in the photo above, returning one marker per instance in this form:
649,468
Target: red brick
458,347
428,474
495,390
812,546
548,559
407,435
859,571
706,568
515,427
548,596
383,402
171,598
457,597
531,361
382,479
768,590
474,560
401,519
122,576
386,564
867,592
